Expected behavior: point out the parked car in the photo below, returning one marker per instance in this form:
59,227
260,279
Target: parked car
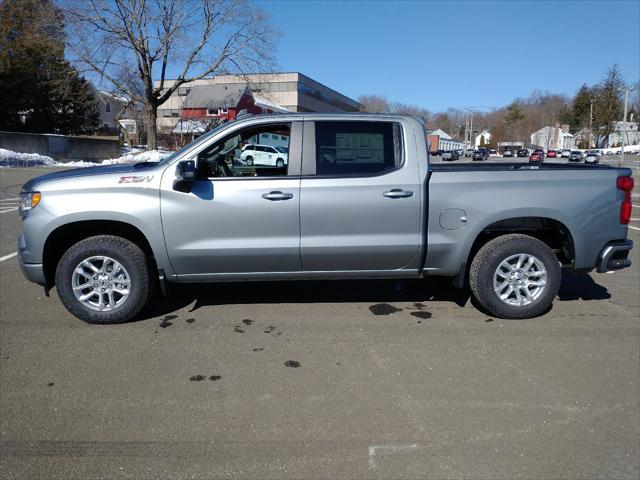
480,154
536,157
437,153
450,155
552,154
493,152
576,156
507,153
597,153
540,152
468,153
591,158
565,153
523,153
374,209
265,155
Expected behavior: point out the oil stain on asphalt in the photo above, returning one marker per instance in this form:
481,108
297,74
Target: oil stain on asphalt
190,320
424,314
292,364
200,378
166,321
383,309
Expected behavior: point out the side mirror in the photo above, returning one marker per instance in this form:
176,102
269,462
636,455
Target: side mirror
186,171
185,176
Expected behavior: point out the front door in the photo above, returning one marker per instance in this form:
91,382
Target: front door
237,218
360,203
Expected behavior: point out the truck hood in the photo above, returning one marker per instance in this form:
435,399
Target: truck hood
90,171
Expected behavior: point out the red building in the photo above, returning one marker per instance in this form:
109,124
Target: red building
223,102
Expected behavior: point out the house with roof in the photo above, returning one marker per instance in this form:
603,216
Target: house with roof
627,131
440,140
482,139
584,138
112,107
553,138
219,102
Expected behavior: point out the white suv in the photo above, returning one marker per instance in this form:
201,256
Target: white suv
265,155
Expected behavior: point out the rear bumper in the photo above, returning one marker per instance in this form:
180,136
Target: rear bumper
615,256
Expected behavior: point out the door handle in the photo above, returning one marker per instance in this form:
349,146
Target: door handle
398,193
277,195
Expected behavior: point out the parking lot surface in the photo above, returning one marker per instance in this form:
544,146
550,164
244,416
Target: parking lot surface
350,379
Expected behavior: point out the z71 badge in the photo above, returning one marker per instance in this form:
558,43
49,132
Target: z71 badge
136,179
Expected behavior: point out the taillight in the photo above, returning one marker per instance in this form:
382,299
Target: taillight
626,185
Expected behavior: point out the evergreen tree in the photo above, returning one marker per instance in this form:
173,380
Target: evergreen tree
581,108
39,90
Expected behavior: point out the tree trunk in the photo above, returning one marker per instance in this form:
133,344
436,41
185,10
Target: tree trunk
152,116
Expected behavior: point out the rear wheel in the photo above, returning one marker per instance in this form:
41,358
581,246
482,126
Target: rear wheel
515,276
104,279
249,160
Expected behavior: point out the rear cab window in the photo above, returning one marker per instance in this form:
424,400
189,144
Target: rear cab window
357,148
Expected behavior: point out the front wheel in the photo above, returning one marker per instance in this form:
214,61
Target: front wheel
104,279
515,276
279,163
249,160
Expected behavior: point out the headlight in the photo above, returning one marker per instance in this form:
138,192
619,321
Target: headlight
30,200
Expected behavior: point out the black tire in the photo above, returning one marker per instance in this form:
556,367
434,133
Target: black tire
249,160
129,255
279,163
491,255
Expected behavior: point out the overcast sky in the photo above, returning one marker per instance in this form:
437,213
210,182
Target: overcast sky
440,54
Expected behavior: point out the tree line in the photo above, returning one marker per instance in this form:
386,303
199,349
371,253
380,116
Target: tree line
595,107
133,46
40,91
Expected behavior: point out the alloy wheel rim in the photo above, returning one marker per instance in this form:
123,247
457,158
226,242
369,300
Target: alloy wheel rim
520,279
101,283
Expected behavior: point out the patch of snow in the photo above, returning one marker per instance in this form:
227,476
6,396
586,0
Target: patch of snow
9,158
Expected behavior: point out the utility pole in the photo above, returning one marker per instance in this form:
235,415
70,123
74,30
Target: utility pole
591,135
623,128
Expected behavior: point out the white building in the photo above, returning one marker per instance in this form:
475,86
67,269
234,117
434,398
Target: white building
553,138
483,134
628,130
585,137
445,141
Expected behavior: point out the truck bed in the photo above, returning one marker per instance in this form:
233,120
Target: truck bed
466,199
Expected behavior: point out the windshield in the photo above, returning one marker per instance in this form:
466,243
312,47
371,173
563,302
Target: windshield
192,144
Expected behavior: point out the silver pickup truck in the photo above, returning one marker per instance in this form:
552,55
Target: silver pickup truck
349,196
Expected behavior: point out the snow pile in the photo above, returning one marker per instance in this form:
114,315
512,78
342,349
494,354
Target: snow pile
9,158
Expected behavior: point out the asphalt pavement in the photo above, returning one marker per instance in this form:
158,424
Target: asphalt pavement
351,379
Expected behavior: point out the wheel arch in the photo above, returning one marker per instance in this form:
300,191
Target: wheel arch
551,231
64,236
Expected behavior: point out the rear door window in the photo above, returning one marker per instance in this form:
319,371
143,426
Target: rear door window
357,148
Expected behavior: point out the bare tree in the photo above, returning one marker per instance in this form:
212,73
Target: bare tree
374,104
131,43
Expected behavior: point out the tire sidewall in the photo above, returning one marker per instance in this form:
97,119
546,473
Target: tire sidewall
103,246
526,245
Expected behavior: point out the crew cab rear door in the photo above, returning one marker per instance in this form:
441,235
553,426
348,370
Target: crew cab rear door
360,197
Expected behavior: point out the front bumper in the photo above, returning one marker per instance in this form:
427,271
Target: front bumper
615,256
34,272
